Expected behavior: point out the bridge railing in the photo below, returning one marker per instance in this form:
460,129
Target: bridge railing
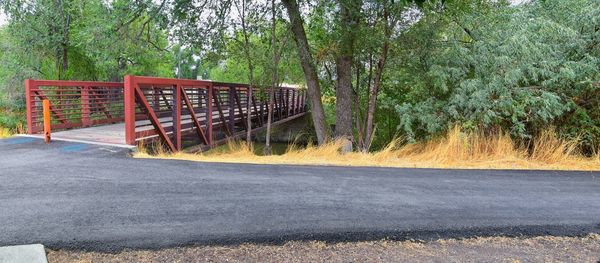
74,104
170,110
208,113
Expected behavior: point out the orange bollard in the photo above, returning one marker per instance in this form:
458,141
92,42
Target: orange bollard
47,127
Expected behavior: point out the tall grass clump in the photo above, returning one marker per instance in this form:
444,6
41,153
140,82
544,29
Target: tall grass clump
4,133
456,149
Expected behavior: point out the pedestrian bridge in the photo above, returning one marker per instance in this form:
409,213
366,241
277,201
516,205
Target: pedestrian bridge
175,112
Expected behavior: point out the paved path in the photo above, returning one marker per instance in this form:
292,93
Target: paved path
78,196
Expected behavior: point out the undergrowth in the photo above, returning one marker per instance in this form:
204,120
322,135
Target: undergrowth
455,150
4,133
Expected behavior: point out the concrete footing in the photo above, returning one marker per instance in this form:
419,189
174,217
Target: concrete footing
23,254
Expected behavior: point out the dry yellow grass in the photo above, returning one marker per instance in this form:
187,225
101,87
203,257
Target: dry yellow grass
455,150
5,133
477,249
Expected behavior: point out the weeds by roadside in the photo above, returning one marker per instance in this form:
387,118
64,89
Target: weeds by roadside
4,133
455,150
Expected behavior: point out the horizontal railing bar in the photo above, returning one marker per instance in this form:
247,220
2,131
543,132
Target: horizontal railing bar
71,83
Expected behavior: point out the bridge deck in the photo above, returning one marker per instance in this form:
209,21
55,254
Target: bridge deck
115,133
112,133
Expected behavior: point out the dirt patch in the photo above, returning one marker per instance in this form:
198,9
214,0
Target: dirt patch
493,249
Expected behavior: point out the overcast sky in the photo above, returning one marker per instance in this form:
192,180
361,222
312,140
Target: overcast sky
2,18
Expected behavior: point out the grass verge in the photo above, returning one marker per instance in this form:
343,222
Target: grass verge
455,150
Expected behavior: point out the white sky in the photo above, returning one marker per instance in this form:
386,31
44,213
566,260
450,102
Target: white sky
518,2
2,18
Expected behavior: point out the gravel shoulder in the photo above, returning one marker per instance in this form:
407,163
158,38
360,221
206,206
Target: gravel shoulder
488,249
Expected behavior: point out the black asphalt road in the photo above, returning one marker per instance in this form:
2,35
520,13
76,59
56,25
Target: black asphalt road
78,196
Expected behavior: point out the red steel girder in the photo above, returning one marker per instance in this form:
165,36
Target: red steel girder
199,129
239,104
53,109
221,115
145,106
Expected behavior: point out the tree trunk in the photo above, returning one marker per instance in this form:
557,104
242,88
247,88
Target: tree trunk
196,70
343,105
64,45
63,61
250,74
344,57
374,89
359,121
268,150
309,69
65,58
274,79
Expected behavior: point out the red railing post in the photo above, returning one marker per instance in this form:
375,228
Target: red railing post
30,105
304,101
282,106
294,102
85,106
129,106
262,107
274,109
249,107
291,102
176,117
302,105
282,98
209,114
231,101
287,102
155,99
297,108
199,98
279,101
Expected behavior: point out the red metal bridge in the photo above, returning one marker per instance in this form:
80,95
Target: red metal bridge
147,109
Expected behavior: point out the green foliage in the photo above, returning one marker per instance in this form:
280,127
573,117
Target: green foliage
77,40
519,68
482,64
232,65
